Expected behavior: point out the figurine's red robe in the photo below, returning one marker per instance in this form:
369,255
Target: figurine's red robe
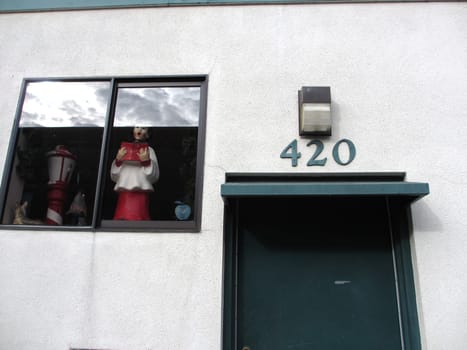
133,182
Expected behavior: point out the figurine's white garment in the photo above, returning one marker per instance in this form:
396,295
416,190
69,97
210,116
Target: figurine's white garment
133,176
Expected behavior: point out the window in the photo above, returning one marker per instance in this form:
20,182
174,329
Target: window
63,168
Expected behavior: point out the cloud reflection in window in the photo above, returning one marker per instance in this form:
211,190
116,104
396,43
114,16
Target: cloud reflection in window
156,106
65,104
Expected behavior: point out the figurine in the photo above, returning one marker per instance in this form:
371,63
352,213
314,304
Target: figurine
182,211
78,210
21,217
61,164
134,171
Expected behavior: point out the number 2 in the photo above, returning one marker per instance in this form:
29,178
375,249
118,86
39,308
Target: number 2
319,148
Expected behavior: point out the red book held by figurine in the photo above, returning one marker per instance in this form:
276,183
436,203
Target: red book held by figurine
132,150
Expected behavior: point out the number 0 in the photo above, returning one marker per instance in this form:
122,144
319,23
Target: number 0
352,152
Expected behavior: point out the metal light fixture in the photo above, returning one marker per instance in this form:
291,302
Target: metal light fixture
314,110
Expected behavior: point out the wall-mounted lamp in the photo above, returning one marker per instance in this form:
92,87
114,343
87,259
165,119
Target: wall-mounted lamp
314,110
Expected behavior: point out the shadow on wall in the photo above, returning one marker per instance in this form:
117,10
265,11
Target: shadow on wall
424,219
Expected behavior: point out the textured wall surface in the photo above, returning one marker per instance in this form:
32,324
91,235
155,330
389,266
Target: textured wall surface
398,78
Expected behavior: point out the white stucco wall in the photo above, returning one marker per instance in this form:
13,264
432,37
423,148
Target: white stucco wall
398,78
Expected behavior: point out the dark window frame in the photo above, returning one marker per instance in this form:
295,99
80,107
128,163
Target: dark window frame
97,223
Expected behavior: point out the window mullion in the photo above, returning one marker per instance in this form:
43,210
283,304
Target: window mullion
102,172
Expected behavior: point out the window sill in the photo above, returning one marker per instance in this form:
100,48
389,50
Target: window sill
116,226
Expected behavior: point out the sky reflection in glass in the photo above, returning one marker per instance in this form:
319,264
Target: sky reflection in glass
84,104
157,106
65,104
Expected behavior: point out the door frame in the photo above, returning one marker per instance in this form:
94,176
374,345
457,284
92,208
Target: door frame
398,194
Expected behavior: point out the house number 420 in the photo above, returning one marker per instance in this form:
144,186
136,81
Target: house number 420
291,151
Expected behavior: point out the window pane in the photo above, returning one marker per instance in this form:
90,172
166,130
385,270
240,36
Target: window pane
172,117
57,154
65,104
158,106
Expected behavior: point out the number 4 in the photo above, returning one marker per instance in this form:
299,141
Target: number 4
293,154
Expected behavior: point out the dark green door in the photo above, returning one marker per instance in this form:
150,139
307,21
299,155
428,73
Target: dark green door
315,273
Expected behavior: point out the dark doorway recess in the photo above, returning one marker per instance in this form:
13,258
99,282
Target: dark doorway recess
325,272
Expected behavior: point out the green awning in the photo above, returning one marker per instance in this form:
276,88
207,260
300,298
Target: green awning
409,190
